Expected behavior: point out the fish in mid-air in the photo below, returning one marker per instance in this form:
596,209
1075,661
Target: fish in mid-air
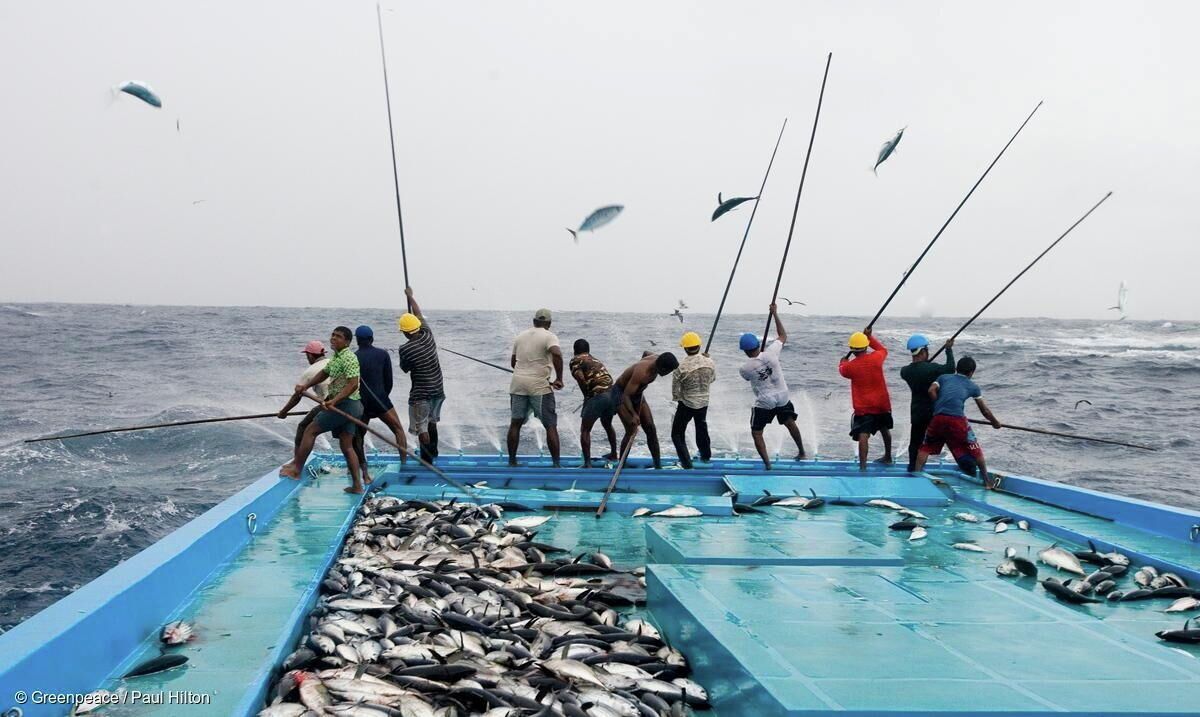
597,219
1122,293
141,91
887,149
677,315
682,305
726,205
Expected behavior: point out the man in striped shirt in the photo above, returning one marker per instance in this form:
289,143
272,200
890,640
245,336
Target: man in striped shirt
419,359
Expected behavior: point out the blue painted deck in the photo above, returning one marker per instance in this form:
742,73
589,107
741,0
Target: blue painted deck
789,612
758,542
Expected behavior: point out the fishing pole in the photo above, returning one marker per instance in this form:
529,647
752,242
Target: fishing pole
472,358
391,442
745,235
1018,276
163,425
612,484
1065,435
796,209
952,215
392,138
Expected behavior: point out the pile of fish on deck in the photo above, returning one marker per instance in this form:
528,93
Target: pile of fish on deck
443,609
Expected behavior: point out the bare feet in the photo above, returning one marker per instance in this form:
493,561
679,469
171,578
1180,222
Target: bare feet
885,460
610,456
366,479
801,456
512,464
289,471
353,489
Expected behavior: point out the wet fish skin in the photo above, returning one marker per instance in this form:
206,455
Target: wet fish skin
966,517
177,633
1061,559
597,219
678,511
917,533
970,547
1065,593
160,663
887,149
727,205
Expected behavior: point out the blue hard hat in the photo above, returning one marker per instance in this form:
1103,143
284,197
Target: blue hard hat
748,342
364,332
916,342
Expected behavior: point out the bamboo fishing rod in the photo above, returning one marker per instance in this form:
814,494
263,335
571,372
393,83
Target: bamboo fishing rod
472,358
745,235
796,209
391,442
392,139
953,214
163,425
612,484
1044,432
1022,273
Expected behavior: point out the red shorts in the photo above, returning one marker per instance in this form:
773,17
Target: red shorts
954,432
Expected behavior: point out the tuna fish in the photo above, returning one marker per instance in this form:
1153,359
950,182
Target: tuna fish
597,219
966,517
678,511
918,533
1188,635
156,664
970,547
887,149
727,205
1061,559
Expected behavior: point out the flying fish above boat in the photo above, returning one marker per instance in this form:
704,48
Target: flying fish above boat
887,149
597,219
141,91
727,205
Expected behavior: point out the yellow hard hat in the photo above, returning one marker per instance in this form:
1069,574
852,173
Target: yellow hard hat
409,323
690,340
859,340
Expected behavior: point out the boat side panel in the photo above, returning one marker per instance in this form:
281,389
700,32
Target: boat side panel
73,645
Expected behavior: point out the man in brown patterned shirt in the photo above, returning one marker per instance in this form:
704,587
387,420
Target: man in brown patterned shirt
595,382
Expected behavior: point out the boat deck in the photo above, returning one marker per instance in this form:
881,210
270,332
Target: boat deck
781,613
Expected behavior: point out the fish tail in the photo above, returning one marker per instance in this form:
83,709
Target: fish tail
574,235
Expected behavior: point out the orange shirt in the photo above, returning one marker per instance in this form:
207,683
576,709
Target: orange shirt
868,387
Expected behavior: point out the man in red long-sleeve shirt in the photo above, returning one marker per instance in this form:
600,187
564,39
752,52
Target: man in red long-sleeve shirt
869,394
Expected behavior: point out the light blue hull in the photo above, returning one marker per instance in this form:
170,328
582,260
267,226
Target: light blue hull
788,612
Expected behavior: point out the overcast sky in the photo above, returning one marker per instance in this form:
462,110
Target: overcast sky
515,120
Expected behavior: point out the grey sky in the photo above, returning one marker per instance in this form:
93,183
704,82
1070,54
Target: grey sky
515,120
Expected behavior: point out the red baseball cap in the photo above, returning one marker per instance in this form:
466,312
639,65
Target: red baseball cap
314,347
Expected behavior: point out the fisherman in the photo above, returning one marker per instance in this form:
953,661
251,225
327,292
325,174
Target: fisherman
772,400
920,375
314,351
594,382
949,426
342,372
376,381
868,394
419,358
626,395
689,386
534,351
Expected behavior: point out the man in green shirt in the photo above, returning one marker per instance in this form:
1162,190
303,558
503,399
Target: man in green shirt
343,374
919,375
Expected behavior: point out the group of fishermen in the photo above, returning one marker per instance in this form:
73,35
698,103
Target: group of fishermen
358,385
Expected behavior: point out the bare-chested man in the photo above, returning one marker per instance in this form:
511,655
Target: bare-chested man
626,397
